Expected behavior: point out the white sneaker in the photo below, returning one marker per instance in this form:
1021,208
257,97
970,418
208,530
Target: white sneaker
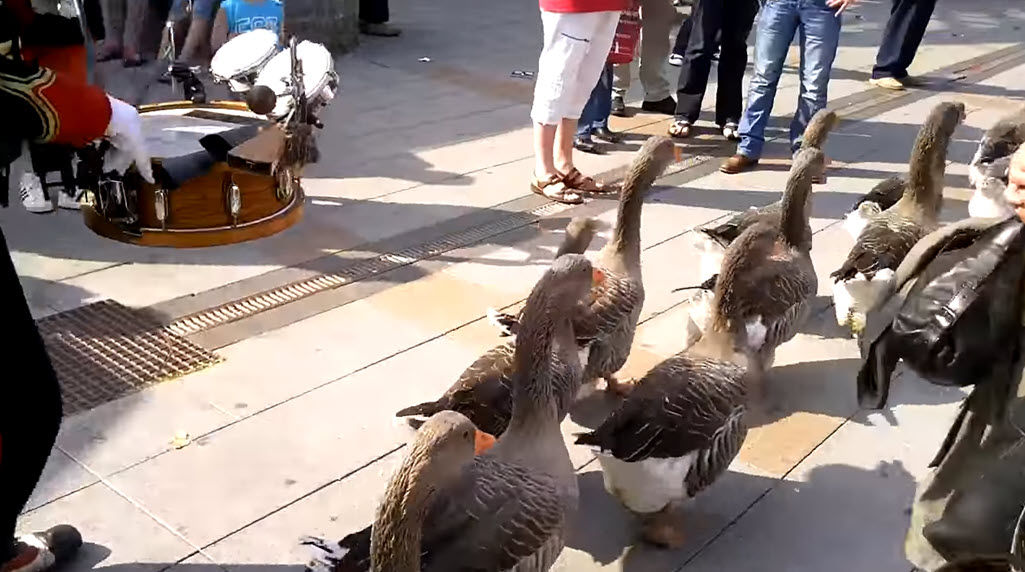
32,196
69,202
675,60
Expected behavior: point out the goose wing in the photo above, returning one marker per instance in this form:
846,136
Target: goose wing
677,408
613,300
728,231
886,193
483,392
883,244
767,302
495,516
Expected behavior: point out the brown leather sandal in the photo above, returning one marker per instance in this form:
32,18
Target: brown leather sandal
577,181
555,188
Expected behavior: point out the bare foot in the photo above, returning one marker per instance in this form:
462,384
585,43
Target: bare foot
664,528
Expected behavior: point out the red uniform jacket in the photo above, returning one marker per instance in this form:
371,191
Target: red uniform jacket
43,89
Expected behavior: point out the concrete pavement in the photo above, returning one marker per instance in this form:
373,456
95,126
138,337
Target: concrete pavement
292,434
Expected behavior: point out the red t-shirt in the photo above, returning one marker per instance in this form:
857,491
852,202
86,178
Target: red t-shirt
576,6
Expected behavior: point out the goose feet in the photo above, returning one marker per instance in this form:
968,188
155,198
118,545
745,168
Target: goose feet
620,387
664,528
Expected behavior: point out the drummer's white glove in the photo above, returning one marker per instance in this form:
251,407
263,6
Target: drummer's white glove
128,145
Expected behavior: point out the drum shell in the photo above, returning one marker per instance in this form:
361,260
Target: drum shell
199,213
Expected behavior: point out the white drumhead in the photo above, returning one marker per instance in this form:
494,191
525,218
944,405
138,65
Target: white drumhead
317,72
244,54
176,132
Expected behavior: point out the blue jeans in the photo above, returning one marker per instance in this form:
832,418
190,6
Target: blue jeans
599,105
779,21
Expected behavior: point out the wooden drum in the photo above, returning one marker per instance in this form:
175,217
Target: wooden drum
214,166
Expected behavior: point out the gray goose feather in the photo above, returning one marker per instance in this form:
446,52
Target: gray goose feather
713,241
483,392
888,236
763,292
508,509
686,409
610,318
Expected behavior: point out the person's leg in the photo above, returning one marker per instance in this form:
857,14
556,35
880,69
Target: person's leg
135,22
373,18
113,29
620,86
600,129
599,29
777,24
697,61
901,37
561,72
657,17
585,123
819,38
683,35
729,97
30,416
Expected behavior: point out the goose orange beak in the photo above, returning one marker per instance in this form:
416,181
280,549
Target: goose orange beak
482,442
597,276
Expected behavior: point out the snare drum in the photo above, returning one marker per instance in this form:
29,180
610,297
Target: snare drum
215,185
319,77
241,58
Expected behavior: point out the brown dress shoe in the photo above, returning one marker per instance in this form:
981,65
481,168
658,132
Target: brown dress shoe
737,164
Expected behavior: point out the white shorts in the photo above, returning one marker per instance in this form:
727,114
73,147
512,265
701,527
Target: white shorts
576,48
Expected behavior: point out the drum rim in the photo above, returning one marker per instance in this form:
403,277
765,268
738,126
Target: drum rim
325,78
273,49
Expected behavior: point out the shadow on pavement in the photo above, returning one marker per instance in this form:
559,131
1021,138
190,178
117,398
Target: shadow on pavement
605,531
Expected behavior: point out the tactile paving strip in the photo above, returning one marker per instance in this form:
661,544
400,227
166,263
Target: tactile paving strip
104,351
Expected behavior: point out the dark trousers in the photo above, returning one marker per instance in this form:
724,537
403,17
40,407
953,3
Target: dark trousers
902,36
683,37
728,21
30,402
373,11
599,105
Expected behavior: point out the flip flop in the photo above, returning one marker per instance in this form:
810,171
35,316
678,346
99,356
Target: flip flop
577,181
555,188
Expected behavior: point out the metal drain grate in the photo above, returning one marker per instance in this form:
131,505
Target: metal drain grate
362,270
105,350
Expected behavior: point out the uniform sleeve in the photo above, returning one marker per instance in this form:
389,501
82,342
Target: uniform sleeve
41,104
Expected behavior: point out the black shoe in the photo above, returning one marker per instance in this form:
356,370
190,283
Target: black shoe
587,146
665,106
607,135
43,550
618,107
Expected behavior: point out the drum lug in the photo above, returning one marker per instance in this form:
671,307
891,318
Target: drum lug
160,206
234,201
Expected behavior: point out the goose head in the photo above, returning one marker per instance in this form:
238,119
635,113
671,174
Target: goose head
579,233
443,446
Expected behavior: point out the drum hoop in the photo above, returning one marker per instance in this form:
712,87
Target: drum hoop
173,105
296,196
254,67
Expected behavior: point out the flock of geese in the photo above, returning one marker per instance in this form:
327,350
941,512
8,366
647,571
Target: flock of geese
487,483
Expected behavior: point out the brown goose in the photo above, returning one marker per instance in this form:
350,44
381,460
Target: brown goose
507,509
615,305
675,434
483,391
767,279
888,236
713,241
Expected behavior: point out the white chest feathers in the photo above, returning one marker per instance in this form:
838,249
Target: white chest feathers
855,221
852,299
646,486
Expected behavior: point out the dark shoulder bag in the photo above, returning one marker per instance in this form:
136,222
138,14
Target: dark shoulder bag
958,316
